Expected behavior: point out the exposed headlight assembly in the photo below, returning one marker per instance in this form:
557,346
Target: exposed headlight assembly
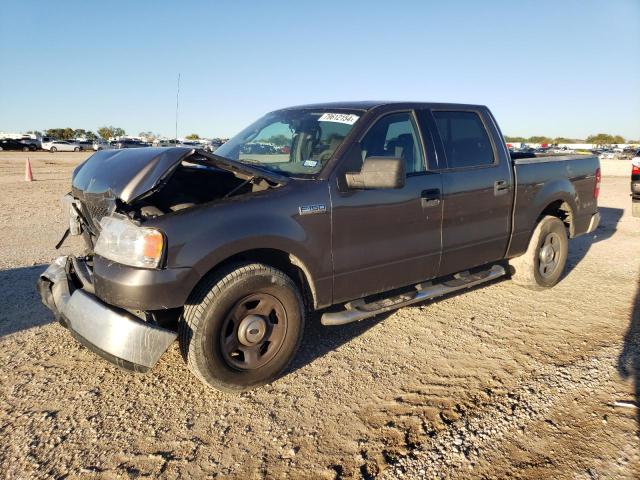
70,205
123,242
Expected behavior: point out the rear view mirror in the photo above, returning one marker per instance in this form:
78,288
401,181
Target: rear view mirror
378,172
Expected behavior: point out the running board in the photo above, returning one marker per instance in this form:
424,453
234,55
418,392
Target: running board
359,309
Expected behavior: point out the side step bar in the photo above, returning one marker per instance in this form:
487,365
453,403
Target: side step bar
359,309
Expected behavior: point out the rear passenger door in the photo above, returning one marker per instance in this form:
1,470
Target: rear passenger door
477,188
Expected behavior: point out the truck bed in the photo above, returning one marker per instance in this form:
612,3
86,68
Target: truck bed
571,178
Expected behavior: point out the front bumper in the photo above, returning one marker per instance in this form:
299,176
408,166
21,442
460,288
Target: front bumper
112,333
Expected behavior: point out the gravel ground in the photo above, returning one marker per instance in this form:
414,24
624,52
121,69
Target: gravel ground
496,382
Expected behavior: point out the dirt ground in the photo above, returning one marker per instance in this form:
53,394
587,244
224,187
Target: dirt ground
496,382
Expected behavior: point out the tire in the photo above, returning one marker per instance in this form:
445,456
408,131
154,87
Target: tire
53,149
76,149
25,149
635,208
241,327
542,265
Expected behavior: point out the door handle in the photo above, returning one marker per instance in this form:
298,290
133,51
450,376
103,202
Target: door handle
430,198
500,187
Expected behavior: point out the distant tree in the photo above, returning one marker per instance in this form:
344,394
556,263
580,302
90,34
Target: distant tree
279,140
148,136
604,139
61,133
193,136
567,140
111,131
118,132
539,139
82,133
515,139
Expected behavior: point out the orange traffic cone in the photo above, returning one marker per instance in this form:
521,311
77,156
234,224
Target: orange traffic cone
28,174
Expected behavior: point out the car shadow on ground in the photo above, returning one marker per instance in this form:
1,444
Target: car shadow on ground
21,305
629,359
319,340
578,247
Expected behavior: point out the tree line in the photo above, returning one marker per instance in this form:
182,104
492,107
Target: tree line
597,139
105,132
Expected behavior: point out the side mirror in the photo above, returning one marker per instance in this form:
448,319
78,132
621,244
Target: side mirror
378,172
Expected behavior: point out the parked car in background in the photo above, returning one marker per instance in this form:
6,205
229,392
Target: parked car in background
165,142
378,205
127,143
635,184
84,144
629,152
607,154
61,146
12,144
101,145
190,144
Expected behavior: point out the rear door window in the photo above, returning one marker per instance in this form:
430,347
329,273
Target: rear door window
464,138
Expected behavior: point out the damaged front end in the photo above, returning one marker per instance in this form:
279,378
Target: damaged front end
114,334
121,298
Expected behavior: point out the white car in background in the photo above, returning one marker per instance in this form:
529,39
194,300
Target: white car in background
607,155
102,145
61,146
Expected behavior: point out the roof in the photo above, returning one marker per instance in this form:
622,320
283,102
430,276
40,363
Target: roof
370,104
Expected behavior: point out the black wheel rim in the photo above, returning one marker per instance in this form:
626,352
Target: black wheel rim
253,331
549,255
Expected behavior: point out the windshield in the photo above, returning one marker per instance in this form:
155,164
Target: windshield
291,142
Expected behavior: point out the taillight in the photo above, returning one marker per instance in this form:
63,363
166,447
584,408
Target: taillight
635,166
596,188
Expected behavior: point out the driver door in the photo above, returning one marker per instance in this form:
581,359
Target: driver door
386,238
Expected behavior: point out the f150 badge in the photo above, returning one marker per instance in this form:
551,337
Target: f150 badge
311,209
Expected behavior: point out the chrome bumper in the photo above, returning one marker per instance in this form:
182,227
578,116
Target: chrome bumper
112,333
595,221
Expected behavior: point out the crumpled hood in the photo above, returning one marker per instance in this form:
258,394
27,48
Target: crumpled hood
127,174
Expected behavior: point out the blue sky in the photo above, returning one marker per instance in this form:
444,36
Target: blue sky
568,68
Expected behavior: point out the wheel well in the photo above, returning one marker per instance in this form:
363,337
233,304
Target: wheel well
283,261
561,210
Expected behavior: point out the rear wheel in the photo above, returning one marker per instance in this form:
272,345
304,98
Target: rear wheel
242,327
541,266
77,149
25,149
53,149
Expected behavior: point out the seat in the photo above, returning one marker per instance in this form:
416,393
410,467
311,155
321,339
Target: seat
403,146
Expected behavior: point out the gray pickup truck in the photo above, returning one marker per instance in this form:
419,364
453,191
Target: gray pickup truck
351,209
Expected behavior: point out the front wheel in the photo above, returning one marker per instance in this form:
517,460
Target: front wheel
76,149
541,266
25,149
53,149
242,327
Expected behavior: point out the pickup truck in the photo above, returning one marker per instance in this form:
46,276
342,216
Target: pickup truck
363,207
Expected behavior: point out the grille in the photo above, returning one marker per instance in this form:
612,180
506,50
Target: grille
93,208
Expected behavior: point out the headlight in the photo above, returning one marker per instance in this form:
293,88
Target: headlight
126,243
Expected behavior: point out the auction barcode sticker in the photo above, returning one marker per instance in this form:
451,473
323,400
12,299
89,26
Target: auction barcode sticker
347,118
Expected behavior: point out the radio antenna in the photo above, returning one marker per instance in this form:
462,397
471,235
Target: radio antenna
177,105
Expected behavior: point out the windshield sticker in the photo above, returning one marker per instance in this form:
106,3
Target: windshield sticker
310,163
347,118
